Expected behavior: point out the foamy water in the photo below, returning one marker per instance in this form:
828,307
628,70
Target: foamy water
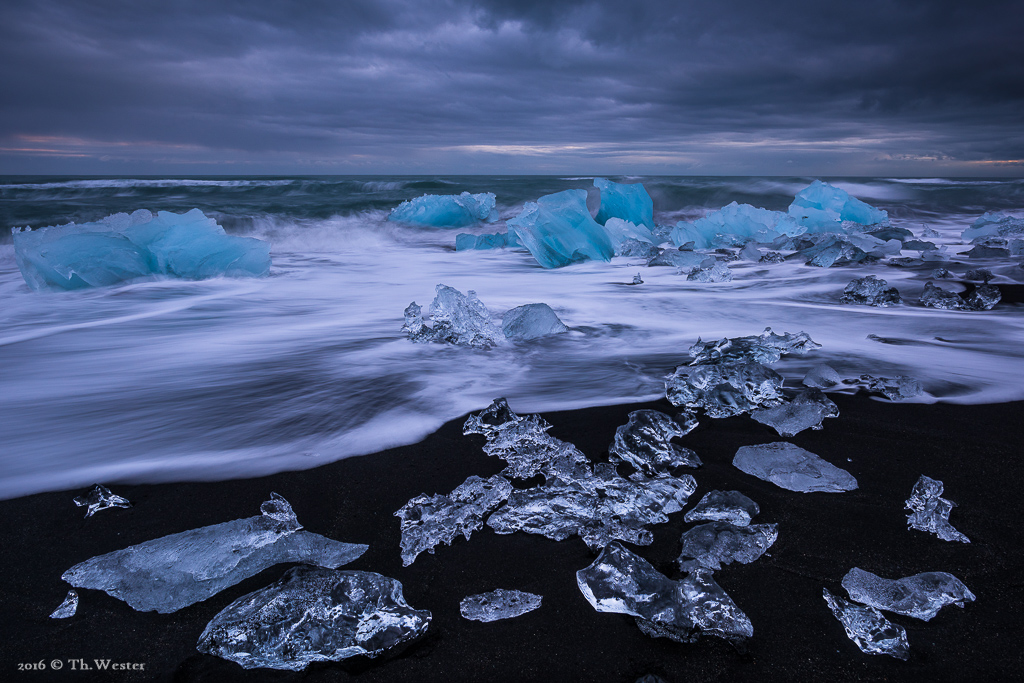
172,380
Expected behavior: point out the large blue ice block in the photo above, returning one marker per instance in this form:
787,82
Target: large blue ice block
446,210
823,208
628,202
558,230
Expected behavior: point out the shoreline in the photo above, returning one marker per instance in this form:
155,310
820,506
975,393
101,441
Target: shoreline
973,449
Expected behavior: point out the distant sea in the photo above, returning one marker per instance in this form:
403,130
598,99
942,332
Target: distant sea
174,380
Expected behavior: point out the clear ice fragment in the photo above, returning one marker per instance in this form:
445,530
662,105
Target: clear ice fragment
531,321
66,608
983,274
772,257
428,521
645,443
865,626
724,389
622,582
637,280
716,273
716,543
994,224
806,410
920,596
895,388
455,318
724,506
637,248
179,570
100,498
930,512
983,298
871,291
822,377
314,615
498,604
445,211
767,348
793,468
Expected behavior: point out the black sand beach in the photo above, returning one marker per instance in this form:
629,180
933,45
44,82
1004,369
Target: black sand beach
974,450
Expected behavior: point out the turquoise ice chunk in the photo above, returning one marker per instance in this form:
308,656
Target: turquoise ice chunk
558,230
742,221
619,230
75,257
630,202
823,208
465,241
446,210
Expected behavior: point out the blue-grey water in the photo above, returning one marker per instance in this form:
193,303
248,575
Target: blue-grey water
169,380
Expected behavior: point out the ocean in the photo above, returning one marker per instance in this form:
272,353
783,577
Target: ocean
172,380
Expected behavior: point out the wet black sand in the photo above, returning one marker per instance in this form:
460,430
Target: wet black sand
975,450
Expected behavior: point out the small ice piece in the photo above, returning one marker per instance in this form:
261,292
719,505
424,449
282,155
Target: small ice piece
805,411
832,250
620,232
466,241
637,280
936,297
637,248
622,582
314,615
428,521
772,257
766,348
872,291
724,506
445,211
531,321
750,252
983,298
455,318
930,512
491,419
716,273
716,543
179,570
558,230
523,442
895,388
920,596
100,498
983,274
682,259
941,274
822,377
628,202
644,442
724,389
793,468
66,608
498,604
865,626
822,207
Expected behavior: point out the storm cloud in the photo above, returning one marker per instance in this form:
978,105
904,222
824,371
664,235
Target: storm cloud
390,86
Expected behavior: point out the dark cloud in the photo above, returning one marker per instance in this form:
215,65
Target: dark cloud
738,86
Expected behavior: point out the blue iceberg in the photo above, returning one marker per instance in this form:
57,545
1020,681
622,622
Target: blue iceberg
123,247
735,224
628,202
820,207
446,210
558,230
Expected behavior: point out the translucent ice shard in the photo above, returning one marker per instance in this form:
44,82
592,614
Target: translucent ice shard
314,615
982,298
636,248
176,571
558,230
767,347
822,207
872,291
742,222
716,543
523,442
498,604
100,498
895,388
465,241
930,512
724,506
822,377
531,321
994,223
637,280
865,626
455,318
628,202
621,582
428,521
724,389
645,442
805,411
920,596
831,250
66,608
793,468
445,211
682,259
716,273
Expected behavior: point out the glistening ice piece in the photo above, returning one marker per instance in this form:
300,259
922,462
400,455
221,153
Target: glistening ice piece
724,506
793,468
498,604
531,321
865,626
445,210
455,318
67,608
314,615
176,571
920,596
871,291
807,410
716,543
100,498
930,512
645,442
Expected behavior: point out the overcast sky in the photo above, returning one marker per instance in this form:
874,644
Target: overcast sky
931,87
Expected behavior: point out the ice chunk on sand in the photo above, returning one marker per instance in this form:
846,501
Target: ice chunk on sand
428,521
930,512
498,604
455,318
920,596
822,207
831,250
822,377
445,211
523,442
622,582
716,543
637,280
314,615
627,202
865,626
895,388
67,608
740,222
716,273
644,442
766,348
558,230
724,389
176,571
724,506
983,298
994,223
531,321
872,291
100,498
793,468
982,274
805,411
110,251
